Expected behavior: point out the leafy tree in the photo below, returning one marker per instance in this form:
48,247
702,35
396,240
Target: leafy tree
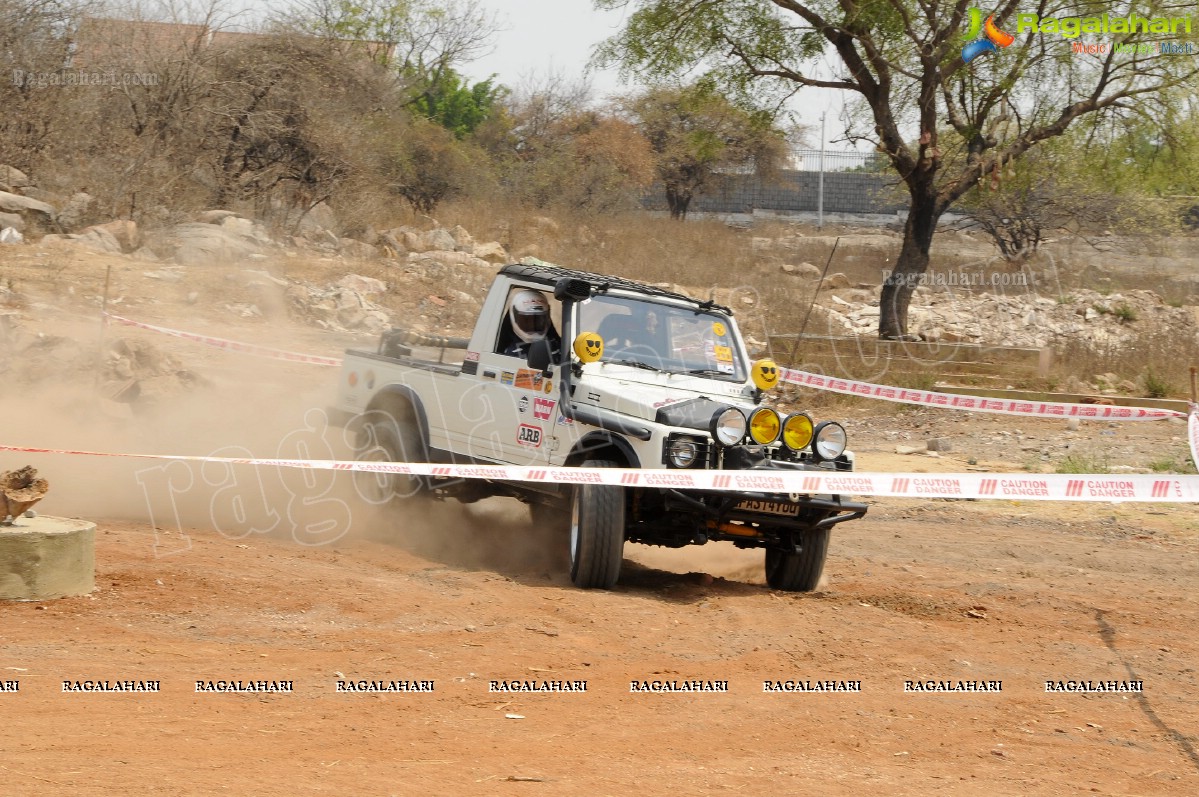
456,106
944,124
696,132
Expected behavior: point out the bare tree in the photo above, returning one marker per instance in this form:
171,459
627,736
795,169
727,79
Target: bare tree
418,40
35,49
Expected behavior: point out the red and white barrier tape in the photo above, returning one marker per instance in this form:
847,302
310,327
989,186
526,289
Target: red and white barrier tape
1193,434
953,401
232,345
928,398
1022,486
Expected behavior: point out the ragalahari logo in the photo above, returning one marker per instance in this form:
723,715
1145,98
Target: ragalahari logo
992,37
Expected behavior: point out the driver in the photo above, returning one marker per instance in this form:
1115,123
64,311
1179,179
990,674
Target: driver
529,314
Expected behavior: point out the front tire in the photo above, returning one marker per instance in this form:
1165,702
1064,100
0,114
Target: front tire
597,521
798,572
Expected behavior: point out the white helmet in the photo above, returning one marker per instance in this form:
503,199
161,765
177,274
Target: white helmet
530,315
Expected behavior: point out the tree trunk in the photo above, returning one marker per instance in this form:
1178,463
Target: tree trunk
677,200
896,294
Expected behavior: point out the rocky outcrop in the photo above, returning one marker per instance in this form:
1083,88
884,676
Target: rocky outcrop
14,177
230,240
1022,320
35,212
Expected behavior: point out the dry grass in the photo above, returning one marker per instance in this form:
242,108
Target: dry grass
1157,359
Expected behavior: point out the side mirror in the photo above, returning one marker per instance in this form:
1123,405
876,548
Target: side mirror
540,357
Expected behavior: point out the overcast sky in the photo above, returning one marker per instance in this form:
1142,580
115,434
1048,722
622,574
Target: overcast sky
544,37
556,37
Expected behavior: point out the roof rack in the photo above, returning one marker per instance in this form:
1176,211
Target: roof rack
548,273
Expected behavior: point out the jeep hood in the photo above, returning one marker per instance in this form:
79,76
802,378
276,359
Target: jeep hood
687,403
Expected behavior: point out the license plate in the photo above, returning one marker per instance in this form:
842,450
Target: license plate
769,508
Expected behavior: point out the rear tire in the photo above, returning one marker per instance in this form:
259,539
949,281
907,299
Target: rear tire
384,438
597,521
798,572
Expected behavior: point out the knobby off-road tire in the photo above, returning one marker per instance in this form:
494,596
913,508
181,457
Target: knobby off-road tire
798,572
385,438
596,532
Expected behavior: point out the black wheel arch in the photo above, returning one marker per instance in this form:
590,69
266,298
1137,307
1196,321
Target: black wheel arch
401,402
602,444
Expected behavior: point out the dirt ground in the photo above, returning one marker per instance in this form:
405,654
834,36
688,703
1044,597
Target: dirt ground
192,586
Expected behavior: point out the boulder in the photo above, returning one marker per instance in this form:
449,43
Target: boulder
78,212
14,177
98,239
835,282
197,244
357,250
31,210
463,241
438,240
247,229
321,238
33,192
492,251
362,285
409,239
124,231
320,217
392,246
12,221
215,216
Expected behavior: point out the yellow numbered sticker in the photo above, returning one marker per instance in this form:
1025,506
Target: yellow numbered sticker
765,374
589,347
724,354
718,329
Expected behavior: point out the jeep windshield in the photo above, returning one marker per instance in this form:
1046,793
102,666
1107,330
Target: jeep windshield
663,337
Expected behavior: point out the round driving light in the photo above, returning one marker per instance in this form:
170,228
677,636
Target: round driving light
829,441
764,426
682,452
797,431
728,426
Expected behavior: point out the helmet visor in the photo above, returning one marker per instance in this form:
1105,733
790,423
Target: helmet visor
534,324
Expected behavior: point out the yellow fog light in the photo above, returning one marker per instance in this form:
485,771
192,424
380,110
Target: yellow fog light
797,431
764,426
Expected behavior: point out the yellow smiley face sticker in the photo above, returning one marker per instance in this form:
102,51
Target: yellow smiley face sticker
589,347
765,374
718,329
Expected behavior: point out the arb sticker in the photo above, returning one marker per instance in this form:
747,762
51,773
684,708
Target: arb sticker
529,436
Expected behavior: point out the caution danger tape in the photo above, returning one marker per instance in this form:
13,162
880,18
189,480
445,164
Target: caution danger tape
1021,486
954,401
231,345
928,398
